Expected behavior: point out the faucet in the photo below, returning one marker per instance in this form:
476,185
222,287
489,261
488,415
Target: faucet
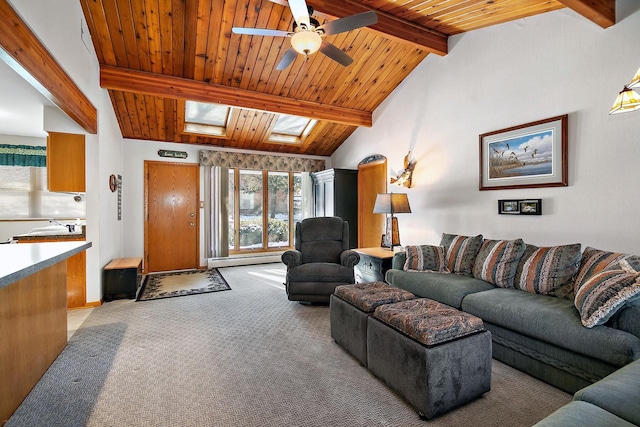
70,227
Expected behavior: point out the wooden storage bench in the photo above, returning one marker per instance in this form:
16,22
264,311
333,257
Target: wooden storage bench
122,276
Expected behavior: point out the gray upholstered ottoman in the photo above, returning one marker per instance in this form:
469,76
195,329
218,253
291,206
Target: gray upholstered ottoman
350,305
435,356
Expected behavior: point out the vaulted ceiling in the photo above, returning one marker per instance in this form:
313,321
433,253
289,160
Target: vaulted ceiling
155,54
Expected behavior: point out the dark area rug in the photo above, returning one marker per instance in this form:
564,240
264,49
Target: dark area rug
181,283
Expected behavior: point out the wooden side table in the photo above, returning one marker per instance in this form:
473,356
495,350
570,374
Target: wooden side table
374,263
122,276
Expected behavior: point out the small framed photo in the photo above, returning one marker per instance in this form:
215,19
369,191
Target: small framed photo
520,207
531,207
509,207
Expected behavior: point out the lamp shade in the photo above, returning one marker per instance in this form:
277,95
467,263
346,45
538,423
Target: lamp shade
392,203
627,100
635,82
306,42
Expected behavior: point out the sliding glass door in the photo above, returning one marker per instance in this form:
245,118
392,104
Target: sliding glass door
262,207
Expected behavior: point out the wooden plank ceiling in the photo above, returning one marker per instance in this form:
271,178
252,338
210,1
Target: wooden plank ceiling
155,54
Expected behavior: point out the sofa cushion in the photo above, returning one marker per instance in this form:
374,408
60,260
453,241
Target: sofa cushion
596,260
579,413
552,320
425,257
497,261
448,289
460,252
618,393
546,270
604,293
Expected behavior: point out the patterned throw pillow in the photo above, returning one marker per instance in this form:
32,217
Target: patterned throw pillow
460,252
497,261
546,270
596,260
425,258
604,293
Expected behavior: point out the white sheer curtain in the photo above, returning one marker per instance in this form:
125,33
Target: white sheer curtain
217,211
307,196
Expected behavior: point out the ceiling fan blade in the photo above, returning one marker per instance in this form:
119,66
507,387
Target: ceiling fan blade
299,11
336,54
261,32
287,59
349,23
285,3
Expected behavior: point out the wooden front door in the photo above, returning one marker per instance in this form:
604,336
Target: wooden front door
372,180
171,216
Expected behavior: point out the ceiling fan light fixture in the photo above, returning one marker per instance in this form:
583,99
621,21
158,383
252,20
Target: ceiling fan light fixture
627,100
306,42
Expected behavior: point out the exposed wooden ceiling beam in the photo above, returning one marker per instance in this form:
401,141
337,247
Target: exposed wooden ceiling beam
128,80
23,51
602,12
388,25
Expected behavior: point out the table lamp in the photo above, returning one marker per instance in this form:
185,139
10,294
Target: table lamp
391,203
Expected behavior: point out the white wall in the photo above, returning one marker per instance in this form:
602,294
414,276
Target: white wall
510,74
58,25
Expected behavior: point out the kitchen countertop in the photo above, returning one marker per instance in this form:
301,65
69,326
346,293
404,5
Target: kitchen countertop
22,260
62,236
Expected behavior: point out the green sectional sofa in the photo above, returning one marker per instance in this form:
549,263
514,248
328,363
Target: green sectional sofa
612,401
528,297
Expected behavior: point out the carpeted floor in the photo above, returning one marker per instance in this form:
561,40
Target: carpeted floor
243,358
181,283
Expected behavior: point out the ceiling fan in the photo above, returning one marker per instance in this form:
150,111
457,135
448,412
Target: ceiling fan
307,33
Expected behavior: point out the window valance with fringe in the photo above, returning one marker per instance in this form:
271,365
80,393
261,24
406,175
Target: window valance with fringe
23,155
260,161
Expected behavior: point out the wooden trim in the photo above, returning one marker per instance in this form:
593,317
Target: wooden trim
388,26
24,52
602,12
128,80
88,304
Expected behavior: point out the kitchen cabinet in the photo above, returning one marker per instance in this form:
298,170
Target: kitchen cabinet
335,193
33,313
76,267
65,162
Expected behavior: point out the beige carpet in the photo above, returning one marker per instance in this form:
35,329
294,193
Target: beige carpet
243,358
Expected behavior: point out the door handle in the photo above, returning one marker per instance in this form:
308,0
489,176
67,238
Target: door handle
192,224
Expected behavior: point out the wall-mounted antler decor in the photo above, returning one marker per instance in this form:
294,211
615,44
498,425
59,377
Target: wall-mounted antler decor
405,175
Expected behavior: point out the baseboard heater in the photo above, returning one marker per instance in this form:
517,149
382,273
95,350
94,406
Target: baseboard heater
244,259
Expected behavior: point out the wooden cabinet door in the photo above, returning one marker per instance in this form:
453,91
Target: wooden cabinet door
372,180
76,273
65,162
171,216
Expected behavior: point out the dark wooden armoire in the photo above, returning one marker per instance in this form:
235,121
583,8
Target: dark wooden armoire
335,193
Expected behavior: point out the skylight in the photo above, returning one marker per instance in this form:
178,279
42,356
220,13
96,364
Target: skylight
291,129
212,119
204,118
